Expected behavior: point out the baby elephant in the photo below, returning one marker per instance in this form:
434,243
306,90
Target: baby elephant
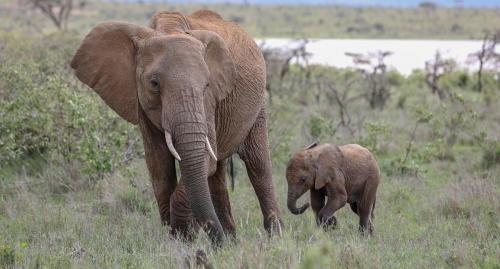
344,174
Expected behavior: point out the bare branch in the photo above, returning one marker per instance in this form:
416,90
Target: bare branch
372,66
485,55
58,11
435,70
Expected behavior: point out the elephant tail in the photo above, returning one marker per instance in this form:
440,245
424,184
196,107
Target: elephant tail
373,207
232,172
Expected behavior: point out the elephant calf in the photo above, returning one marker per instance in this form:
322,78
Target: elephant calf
344,174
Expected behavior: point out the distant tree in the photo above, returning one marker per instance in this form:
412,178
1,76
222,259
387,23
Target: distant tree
343,99
455,28
427,5
485,55
237,19
278,62
373,68
58,11
379,27
434,70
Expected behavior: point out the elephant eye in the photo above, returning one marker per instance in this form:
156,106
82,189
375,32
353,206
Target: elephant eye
206,87
155,84
303,179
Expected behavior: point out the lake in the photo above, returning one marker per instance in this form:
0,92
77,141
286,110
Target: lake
407,55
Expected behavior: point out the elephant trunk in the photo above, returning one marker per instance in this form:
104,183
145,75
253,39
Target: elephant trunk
190,137
292,204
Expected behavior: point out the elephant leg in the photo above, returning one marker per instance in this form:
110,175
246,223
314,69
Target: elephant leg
220,198
161,165
255,154
354,207
337,198
365,212
317,202
367,206
365,223
182,219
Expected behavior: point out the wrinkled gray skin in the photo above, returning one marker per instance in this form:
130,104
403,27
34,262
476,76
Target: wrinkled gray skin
334,175
195,85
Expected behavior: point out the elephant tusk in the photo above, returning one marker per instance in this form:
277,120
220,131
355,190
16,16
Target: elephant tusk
170,145
209,148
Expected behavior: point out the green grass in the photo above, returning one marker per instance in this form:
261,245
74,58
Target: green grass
418,224
74,188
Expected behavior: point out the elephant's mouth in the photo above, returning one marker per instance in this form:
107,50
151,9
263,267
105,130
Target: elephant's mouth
173,151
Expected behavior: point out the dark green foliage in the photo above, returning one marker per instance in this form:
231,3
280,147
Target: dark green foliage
7,257
45,111
491,154
490,150
320,127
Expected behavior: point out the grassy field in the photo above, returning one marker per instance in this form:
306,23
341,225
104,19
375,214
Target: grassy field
74,188
287,21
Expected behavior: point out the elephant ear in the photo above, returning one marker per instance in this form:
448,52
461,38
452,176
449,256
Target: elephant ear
105,61
219,62
328,165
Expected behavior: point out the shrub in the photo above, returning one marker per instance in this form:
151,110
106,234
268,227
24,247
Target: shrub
491,154
320,127
134,200
375,133
7,256
45,112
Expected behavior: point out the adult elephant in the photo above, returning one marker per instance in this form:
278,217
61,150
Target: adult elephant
195,85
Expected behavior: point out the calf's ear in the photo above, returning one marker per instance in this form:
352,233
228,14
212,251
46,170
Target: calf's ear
328,164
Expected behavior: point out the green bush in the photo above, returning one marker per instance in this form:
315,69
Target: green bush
491,154
134,200
320,126
45,112
376,135
7,256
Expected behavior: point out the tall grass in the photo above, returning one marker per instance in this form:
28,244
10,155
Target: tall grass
74,189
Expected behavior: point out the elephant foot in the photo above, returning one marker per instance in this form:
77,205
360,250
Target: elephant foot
226,219
182,221
229,231
274,225
366,231
327,223
185,232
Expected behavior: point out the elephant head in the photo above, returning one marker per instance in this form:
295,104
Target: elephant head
174,79
312,167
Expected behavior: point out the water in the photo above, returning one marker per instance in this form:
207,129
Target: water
407,54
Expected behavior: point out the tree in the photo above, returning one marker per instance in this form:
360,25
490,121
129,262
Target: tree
278,61
343,101
427,6
57,11
434,70
485,55
373,68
